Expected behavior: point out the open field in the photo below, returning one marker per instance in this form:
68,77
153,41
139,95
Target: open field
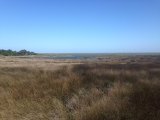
104,88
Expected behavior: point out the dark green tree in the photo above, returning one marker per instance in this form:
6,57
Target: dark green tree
15,53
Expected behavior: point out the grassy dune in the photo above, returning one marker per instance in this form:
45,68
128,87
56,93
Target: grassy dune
93,91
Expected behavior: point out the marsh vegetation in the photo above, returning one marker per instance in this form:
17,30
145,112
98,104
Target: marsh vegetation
85,91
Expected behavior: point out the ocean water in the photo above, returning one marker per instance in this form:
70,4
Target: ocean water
91,55
76,56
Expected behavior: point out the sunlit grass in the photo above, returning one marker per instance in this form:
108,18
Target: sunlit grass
80,92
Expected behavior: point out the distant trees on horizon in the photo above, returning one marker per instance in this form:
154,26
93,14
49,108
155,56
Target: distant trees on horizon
16,53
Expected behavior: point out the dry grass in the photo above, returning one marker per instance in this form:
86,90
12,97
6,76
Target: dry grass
93,91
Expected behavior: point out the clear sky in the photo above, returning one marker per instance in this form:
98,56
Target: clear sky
70,26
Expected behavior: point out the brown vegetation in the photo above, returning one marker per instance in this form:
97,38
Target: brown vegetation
93,91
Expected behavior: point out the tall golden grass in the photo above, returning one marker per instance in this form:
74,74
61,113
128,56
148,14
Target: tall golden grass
96,91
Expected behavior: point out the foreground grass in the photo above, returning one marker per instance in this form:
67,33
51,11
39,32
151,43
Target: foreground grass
81,92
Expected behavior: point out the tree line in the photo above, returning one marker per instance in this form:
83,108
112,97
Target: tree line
16,53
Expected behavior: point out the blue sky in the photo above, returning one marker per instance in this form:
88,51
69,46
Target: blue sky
70,26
